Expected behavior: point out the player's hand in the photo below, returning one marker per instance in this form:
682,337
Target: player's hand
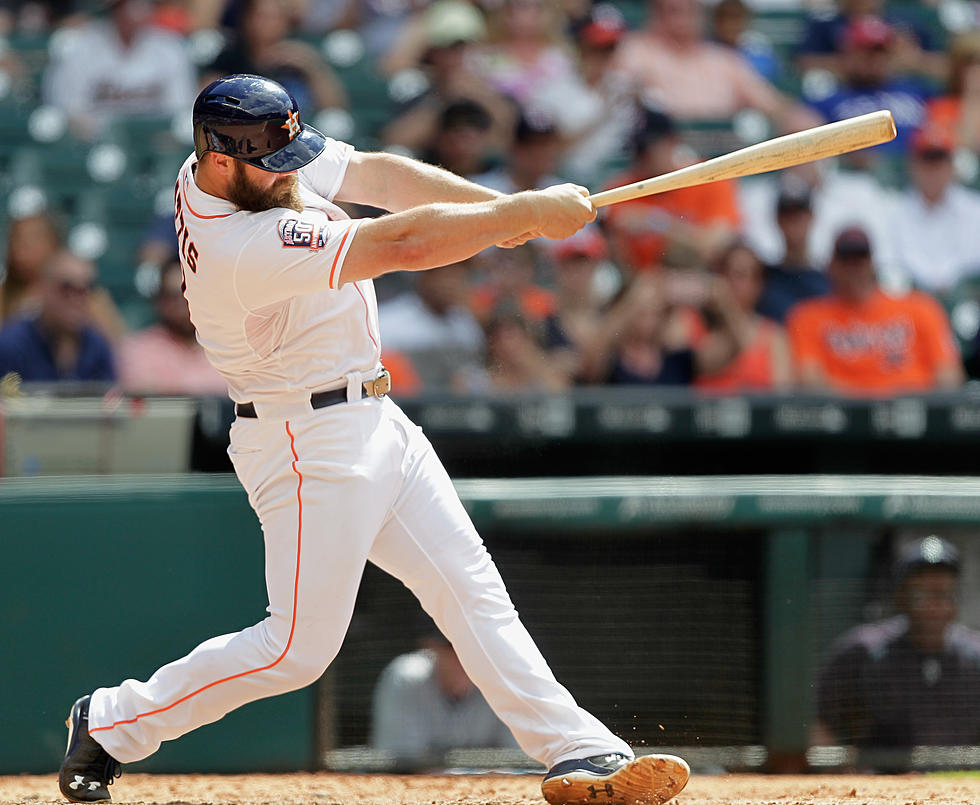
563,210
520,240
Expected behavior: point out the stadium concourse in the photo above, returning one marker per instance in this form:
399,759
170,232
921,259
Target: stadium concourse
329,789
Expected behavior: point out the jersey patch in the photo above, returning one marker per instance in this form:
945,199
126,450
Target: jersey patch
301,234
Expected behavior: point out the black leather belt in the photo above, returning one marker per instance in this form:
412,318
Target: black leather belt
321,399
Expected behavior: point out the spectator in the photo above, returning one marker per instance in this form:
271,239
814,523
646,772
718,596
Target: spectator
58,342
596,108
917,48
165,358
860,341
692,224
510,277
32,241
118,67
647,338
516,358
263,46
694,79
934,230
532,160
441,42
527,52
841,195
462,139
432,326
404,377
959,109
424,705
577,321
763,363
912,679
869,83
732,27
793,278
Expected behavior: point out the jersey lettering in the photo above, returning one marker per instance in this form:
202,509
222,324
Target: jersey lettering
301,234
188,251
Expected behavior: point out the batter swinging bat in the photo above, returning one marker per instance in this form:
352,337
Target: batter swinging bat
829,140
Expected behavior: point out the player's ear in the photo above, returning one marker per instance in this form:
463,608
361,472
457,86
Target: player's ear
220,163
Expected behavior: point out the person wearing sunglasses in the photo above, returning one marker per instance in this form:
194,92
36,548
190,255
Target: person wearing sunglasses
58,341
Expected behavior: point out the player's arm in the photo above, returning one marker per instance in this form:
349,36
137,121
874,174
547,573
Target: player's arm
442,234
397,183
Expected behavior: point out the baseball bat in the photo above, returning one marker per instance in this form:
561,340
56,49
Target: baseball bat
828,140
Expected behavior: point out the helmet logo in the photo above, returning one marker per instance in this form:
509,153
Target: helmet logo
292,125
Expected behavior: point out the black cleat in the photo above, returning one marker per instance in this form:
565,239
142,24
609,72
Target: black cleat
615,780
87,770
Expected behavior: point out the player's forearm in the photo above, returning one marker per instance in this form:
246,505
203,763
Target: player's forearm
436,235
397,183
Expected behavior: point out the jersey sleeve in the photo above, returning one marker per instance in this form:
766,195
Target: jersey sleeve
290,254
325,174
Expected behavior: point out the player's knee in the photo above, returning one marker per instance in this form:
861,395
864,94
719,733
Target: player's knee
303,666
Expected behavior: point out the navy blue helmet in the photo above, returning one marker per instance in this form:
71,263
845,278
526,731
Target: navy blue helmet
256,120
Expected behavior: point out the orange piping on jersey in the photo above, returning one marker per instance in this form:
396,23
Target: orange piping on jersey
367,316
336,259
292,625
197,214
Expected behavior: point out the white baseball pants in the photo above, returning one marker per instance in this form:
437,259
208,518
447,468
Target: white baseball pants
333,489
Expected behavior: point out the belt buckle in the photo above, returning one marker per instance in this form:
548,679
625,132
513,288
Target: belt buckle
382,383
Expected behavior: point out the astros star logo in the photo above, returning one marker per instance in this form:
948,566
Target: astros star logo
292,125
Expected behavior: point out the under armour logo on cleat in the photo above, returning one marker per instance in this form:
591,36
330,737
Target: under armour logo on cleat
79,782
594,791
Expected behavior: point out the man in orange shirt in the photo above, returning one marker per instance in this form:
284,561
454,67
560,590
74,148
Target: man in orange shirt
690,225
858,340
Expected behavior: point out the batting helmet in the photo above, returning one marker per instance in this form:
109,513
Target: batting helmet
256,120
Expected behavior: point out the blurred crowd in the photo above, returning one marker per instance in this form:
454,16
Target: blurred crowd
859,275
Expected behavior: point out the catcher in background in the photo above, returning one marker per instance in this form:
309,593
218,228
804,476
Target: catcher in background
912,679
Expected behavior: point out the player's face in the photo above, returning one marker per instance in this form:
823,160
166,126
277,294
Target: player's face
256,190
928,598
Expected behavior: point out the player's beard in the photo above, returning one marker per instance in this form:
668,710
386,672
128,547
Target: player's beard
284,192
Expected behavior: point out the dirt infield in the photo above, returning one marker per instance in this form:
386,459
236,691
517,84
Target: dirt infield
338,789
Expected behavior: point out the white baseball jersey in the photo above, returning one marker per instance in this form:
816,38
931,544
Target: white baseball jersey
264,292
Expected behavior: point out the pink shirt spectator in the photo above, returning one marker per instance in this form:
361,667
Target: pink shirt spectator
699,81
523,79
153,361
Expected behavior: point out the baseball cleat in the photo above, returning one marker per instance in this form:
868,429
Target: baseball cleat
87,770
615,780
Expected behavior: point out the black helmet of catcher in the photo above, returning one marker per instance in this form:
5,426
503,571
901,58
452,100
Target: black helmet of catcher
256,120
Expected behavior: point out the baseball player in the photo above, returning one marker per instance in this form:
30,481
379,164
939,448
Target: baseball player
278,280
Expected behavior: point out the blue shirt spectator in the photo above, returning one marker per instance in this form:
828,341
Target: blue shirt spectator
785,286
26,350
869,83
59,342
